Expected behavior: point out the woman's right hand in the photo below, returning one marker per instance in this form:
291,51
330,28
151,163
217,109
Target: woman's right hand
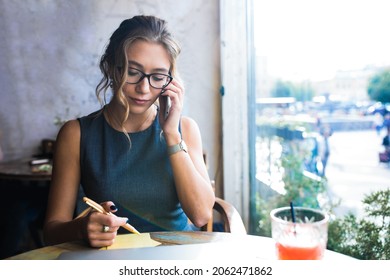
101,229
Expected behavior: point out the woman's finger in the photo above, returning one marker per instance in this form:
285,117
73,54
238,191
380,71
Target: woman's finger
109,206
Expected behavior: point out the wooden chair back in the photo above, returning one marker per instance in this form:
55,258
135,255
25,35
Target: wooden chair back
229,217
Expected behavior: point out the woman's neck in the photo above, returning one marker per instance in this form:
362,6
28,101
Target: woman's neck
134,122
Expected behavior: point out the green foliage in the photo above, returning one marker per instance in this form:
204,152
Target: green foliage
282,89
379,87
299,188
263,209
367,238
301,91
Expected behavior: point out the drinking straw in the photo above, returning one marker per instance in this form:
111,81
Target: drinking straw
292,211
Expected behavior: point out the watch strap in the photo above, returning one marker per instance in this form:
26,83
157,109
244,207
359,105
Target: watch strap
177,148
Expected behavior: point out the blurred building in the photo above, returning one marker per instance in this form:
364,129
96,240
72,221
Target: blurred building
348,85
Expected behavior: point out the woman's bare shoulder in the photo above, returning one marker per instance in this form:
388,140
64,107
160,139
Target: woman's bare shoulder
188,123
70,131
190,129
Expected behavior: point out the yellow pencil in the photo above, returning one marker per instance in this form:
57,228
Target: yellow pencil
100,209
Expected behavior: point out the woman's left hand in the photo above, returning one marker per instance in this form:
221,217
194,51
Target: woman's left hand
175,92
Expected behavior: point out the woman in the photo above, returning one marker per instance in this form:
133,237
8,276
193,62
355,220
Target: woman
129,156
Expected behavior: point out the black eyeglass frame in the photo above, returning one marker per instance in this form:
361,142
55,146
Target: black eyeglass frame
170,78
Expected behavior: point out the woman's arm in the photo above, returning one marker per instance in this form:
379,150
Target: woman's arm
192,181
191,177
59,224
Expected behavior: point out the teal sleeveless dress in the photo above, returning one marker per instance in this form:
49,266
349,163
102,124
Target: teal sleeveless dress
137,178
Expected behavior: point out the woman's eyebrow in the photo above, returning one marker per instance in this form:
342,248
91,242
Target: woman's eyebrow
141,67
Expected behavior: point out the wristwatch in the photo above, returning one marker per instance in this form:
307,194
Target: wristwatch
177,148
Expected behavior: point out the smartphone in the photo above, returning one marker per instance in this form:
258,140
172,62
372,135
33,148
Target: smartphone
167,106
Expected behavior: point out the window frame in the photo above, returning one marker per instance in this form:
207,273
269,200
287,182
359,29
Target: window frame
238,105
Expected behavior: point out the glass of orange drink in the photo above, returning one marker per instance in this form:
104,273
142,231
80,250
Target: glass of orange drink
299,233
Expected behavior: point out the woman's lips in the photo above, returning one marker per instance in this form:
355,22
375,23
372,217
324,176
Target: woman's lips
139,101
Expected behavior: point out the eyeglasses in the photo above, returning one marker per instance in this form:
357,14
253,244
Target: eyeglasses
156,80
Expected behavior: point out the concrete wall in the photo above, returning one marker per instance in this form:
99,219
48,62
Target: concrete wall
49,64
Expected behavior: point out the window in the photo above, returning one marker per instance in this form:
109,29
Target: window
313,64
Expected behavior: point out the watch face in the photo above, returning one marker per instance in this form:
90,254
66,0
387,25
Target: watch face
183,145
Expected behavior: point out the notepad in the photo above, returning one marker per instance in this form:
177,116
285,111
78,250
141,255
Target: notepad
125,241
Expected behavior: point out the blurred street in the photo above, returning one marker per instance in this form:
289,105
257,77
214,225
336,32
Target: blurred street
354,170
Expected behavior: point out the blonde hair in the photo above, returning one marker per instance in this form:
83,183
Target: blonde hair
114,61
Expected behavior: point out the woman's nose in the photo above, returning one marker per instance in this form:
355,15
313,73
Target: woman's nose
143,85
